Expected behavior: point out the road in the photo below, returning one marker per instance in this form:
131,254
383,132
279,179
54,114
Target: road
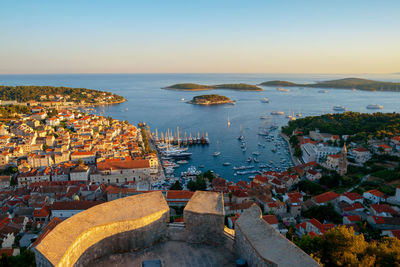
362,180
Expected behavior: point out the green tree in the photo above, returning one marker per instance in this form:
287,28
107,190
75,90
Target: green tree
176,186
298,152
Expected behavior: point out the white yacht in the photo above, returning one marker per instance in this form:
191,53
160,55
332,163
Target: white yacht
374,106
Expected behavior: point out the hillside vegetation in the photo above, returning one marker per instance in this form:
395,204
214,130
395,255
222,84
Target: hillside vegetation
347,83
233,86
211,99
26,93
379,125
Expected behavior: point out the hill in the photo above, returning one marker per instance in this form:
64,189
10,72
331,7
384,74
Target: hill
347,83
50,93
361,125
200,87
211,100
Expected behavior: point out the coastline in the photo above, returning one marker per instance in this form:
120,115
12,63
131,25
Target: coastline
295,160
206,89
231,102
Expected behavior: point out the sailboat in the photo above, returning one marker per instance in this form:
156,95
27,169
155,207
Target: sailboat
229,122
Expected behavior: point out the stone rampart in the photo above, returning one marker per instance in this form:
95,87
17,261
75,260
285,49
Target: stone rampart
204,218
261,245
121,225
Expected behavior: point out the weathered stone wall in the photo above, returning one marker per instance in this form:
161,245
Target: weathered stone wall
141,219
127,241
262,245
204,218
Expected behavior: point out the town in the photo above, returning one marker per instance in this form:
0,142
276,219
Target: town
58,162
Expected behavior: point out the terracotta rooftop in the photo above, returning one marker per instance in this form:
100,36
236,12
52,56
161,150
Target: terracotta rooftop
271,219
74,205
325,197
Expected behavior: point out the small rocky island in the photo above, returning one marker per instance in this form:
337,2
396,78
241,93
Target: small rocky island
211,100
202,87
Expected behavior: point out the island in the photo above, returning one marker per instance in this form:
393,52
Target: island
211,100
56,96
347,83
201,87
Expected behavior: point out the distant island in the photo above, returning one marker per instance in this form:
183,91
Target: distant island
211,100
201,87
347,83
61,96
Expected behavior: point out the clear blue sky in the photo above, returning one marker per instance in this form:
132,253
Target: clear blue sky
348,36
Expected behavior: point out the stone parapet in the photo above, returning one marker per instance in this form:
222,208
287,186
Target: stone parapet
204,218
121,225
261,245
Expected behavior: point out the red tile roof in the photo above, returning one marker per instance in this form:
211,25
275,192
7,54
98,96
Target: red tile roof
379,208
271,219
375,192
46,230
354,218
325,197
74,205
352,195
179,194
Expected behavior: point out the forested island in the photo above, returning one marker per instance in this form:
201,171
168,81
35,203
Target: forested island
347,83
211,100
201,87
77,96
361,125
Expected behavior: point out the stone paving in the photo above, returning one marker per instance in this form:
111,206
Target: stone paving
173,253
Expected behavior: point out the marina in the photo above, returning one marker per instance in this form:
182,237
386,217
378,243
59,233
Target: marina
163,110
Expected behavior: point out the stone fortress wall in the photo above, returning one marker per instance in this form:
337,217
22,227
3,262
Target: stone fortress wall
136,222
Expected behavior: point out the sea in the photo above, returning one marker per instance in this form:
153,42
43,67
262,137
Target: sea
167,109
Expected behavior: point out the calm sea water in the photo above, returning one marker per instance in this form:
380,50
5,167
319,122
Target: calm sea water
164,109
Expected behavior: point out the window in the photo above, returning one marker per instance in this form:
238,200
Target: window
117,181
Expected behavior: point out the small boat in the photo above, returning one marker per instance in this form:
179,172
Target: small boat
216,153
263,117
182,99
241,137
249,159
323,91
374,106
265,100
256,160
201,166
182,161
277,113
256,153
226,164
244,149
339,108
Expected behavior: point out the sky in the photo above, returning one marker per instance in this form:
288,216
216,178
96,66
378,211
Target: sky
207,36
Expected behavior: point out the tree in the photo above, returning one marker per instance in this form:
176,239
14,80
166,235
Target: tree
341,247
298,152
176,186
199,184
323,213
294,141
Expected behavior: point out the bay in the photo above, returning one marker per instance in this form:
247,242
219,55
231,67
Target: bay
164,109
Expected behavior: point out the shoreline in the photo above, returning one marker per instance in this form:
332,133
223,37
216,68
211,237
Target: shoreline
206,89
232,102
295,160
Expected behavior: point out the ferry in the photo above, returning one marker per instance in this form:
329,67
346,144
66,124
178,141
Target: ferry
277,113
282,89
339,108
265,100
374,106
